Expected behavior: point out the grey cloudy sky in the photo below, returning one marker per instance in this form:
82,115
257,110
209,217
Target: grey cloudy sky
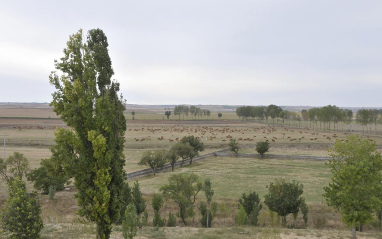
258,52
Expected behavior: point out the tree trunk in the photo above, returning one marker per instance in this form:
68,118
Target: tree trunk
183,215
283,220
353,232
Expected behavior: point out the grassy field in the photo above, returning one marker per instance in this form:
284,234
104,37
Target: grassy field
233,176
32,132
85,231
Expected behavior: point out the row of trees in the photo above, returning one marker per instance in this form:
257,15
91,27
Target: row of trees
259,112
327,117
188,148
194,111
283,198
332,114
369,117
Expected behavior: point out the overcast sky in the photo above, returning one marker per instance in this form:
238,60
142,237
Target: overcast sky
237,52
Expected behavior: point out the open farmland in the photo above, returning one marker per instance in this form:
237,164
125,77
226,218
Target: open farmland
32,132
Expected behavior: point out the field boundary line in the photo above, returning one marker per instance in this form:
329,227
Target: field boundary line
222,153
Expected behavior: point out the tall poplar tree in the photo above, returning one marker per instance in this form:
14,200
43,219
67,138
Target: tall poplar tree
87,99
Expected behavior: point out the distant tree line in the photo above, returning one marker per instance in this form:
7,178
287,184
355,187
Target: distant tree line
184,110
330,114
328,117
367,117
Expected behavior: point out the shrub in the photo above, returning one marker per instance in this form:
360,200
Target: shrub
137,199
158,221
262,147
145,217
130,222
157,203
234,146
241,218
253,216
203,212
20,216
252,207
171,222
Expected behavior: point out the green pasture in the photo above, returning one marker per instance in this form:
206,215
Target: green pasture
233,176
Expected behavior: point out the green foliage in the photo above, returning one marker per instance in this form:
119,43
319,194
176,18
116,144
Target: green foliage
304,210
284,198
262,147
157,202
220,115
130,222
52,192
208,192
145,217
137,199
273,111
171,221
249,201
356,187
241,218
155,159
379,214
185,151
172,157
252,207
56,170
204,212
181,110
88,101
21,213
234,146
133,114
253,217
367,116
48,175
214,208
15,166
182,189
158,221
224,210
168,113
126,199
195,143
